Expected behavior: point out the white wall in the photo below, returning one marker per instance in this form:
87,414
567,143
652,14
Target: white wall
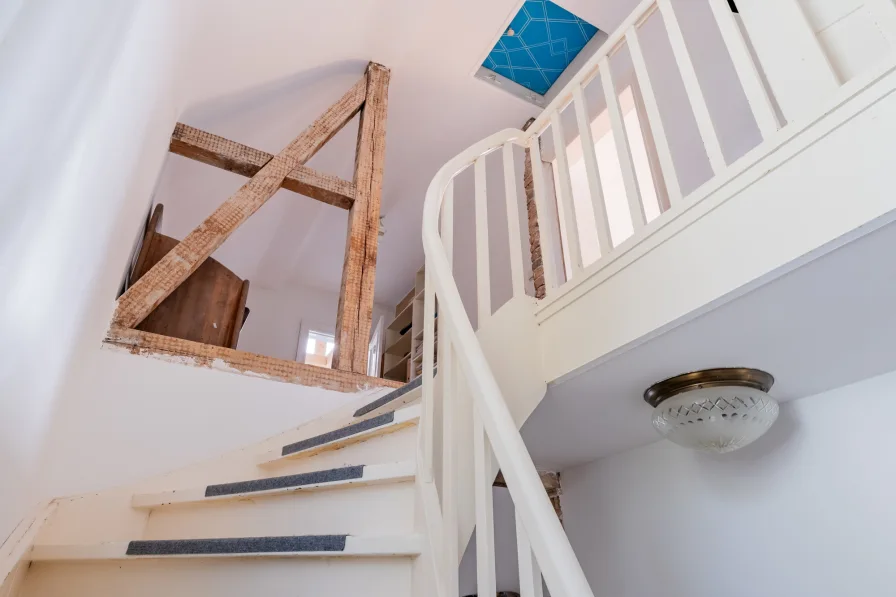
806,510
279,320
85,87
124,418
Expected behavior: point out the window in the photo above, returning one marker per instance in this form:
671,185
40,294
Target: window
319,349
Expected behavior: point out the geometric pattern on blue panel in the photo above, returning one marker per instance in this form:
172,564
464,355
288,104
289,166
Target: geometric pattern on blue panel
539,44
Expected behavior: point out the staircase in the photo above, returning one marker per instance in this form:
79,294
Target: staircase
324,509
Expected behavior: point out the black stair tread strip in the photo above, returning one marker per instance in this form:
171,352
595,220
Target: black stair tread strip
393,395
338,433
173,547
331,475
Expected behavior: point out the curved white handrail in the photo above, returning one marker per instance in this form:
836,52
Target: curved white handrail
550,545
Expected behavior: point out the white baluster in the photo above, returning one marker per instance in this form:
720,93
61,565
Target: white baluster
428,415
513,223
746,68
448,371
483,278
530,573
564,196
692,87
448,376
604,239
545,227
623,149
485,527
447,222
664,153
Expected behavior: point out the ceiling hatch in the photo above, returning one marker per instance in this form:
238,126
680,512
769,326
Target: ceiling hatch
538,45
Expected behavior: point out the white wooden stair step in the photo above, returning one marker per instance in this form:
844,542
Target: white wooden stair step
344,436
345,477
406,394
242,547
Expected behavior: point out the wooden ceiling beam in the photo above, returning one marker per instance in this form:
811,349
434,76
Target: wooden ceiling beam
175,267
223,153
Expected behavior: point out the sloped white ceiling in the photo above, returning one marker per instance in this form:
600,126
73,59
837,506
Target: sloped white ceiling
260,72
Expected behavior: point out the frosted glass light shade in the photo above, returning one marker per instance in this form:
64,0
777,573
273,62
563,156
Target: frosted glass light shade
716,419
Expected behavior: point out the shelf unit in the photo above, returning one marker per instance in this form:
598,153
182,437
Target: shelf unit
403,357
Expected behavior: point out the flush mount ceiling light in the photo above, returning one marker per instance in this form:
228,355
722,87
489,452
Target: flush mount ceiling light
714,410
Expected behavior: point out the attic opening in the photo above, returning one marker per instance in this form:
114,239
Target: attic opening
535,48
187,291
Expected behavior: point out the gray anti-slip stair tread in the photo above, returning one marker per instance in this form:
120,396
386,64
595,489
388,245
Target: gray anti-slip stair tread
337,434
393,395
345,473
289,544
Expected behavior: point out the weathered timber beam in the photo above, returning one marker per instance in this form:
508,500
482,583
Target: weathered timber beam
223,153
196,354
355,312
175,267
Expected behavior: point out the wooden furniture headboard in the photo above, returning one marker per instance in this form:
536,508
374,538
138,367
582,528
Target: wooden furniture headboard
209,307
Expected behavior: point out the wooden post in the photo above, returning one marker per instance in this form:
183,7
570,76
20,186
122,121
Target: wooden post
355,311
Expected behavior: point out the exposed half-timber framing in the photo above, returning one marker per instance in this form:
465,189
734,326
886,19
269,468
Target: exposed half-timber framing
268,173
215,150
238,361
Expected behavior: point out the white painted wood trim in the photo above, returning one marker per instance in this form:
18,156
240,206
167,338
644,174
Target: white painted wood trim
374,474
20,540
355,546
654,118
483,277
565,198
793,60
486,581
747,71
545,230
449,467
429,349
517,277
447,222
403,418
769,155
884,14
692,87
530,575
399,403
604,238
623,148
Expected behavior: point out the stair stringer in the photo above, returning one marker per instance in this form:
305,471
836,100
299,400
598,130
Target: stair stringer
510,341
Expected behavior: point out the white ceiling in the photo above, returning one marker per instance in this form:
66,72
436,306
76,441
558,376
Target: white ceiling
264,71
822,326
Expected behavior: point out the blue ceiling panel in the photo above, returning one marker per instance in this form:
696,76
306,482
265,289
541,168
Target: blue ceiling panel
541,41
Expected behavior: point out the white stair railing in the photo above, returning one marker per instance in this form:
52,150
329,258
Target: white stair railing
543,548
543,544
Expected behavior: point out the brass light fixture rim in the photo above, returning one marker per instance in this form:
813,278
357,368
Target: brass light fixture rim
708,378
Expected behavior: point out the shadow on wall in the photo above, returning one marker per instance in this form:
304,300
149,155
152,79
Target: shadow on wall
763,457
261,98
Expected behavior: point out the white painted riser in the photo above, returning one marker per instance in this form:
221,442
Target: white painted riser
392,447
371,577
374,510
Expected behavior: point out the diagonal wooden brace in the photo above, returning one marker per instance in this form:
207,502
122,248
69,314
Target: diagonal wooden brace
171,271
